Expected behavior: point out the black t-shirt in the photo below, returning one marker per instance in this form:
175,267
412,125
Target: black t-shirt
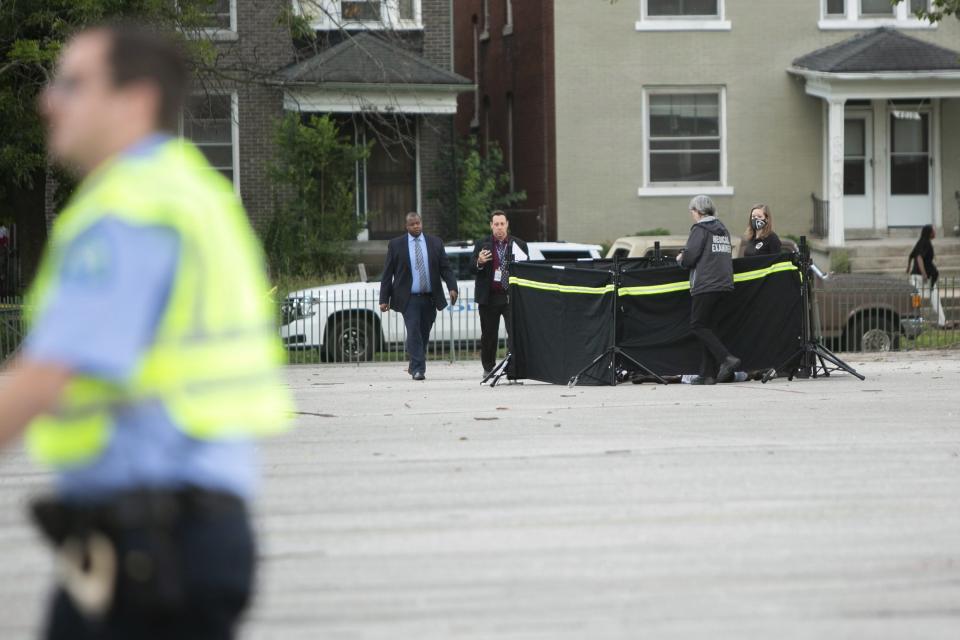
924,249
769,246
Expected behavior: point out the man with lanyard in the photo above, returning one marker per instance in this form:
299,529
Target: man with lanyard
151,362
489,264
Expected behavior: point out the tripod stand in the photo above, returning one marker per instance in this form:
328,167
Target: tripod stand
614,352
498,371
813,356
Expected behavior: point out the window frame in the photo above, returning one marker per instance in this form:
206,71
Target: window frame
655,189
234,132
485,15
684,23
330,16
852,18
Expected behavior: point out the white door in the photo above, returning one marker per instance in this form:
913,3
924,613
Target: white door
858,171
910,203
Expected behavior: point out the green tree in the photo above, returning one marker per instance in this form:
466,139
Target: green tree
940,9
482,185
316,218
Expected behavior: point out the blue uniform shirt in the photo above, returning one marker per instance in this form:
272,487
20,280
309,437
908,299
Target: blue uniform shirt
105,307
417,286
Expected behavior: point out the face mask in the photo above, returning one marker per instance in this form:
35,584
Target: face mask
758,223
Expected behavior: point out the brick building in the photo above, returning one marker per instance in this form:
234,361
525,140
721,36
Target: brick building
375,64
506,48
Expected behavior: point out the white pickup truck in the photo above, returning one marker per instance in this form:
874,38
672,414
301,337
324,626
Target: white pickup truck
344,322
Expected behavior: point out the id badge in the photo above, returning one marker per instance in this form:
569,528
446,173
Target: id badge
498,275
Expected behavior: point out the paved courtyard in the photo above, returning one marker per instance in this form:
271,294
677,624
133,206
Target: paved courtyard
402,510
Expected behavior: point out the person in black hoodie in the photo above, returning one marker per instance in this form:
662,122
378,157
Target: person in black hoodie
489,265
708,256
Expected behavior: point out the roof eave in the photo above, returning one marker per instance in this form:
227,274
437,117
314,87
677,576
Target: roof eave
813,74
378,86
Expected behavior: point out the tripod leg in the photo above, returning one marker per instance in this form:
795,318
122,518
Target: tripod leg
576,377
498,371
840,364
640,365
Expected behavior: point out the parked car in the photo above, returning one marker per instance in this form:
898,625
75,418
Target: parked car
345,323
864,312
855,312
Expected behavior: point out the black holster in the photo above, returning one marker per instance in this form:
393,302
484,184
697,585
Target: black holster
143,528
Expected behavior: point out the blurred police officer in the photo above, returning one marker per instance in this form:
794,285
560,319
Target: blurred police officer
150,363
709,257
489,264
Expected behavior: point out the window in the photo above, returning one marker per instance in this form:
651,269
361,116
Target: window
697,8
854,157
210,122
684,140
485,35
510,155
682,15
220,15
217,19
475,122
880,8
909,153
508,17
367,14
868,14
386,186
361,10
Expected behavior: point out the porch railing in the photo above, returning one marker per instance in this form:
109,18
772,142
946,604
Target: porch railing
821,217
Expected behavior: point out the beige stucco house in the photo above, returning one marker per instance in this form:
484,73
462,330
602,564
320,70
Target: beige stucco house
847,107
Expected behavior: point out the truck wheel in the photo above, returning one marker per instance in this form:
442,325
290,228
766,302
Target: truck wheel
874,333
352,339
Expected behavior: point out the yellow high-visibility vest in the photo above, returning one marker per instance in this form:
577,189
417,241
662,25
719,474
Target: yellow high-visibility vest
216,359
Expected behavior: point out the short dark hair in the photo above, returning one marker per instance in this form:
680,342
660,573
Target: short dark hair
138,53
497,212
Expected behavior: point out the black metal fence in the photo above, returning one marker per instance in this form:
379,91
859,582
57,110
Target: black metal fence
11,326
874,313
852,313
347,325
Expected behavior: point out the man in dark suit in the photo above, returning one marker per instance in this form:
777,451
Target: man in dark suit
489,265
412,284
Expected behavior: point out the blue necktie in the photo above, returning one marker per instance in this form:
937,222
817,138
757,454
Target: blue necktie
421,267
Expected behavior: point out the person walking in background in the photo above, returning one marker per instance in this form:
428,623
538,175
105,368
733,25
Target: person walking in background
709,257
923,272
489,265
151,361
415,272
759,239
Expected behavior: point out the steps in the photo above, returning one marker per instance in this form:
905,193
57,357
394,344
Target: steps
889,255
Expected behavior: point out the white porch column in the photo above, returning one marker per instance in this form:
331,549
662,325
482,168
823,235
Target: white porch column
835,144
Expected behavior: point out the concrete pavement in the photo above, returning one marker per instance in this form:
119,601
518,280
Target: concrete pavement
812,509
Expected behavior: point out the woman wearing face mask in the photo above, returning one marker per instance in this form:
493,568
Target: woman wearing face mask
759,239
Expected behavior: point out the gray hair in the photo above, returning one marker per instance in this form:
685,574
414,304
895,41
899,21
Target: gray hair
703,205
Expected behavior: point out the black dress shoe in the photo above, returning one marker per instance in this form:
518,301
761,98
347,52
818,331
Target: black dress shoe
419,376
703,380
728,368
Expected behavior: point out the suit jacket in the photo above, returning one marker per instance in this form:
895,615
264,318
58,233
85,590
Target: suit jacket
397,277
484,274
